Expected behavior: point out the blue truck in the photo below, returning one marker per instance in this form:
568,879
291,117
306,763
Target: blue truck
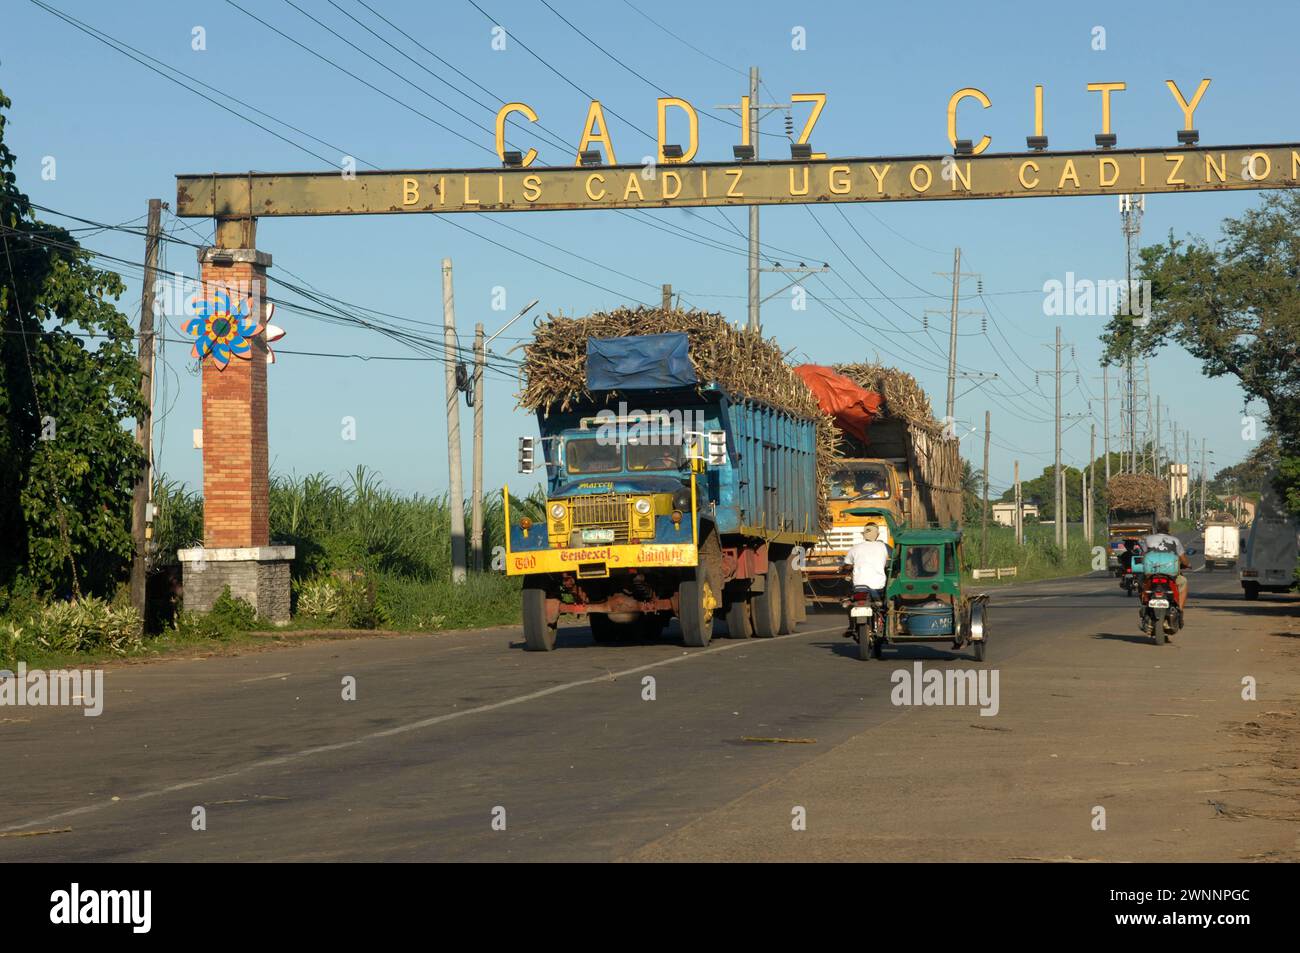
666,496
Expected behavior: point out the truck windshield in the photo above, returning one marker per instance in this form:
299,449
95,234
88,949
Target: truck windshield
664,456
590,455
868,481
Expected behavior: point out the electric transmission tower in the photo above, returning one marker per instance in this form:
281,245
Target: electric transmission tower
1135,400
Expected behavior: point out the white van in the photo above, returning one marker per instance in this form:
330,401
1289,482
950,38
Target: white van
1272,549
1222,545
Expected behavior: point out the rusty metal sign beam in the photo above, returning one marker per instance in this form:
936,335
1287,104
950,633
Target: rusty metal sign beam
885,179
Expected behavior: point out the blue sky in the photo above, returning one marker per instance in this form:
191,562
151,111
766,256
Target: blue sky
119,134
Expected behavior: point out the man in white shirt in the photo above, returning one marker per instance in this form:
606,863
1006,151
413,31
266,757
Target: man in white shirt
1162,541
867,561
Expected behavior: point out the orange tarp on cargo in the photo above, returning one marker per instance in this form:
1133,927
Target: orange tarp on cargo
852,407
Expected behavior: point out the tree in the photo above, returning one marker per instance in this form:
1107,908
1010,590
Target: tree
972,492
1235,306
68,381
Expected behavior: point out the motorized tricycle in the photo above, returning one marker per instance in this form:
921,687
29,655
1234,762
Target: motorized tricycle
924,599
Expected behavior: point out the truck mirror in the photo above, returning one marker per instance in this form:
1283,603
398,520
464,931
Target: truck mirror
527,449
717,448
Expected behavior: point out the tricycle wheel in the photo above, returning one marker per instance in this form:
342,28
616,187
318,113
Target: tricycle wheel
539,635
979,650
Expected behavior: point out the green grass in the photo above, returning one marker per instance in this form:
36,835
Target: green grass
1038,558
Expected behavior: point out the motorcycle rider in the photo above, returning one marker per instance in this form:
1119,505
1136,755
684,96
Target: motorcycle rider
867,561
1162,541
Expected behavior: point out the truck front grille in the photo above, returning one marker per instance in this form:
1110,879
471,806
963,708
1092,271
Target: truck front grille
602,512
845,537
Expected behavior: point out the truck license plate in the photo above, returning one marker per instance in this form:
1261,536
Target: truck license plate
1159,603
860,612
598,536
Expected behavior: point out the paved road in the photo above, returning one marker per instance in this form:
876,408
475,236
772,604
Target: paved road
448,728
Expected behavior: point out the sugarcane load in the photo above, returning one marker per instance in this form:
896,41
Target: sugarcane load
685,466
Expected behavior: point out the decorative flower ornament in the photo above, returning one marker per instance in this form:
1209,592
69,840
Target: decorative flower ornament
224,328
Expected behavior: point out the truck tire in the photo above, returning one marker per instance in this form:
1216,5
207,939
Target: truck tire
789,615
1251,590
539,635
766,606
797,592
695,611
738,624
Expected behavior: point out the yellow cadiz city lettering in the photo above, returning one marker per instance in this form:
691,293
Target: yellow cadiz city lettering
842,185
665,177
524,110
1104,163
1173,177
733,190
1020,174
970,92
532,187
929,177
410,191
595,177
880,178
1068,172
796,190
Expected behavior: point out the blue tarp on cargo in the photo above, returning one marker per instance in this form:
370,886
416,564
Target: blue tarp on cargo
639,362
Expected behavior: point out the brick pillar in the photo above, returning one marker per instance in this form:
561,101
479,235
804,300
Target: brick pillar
236,553
235,460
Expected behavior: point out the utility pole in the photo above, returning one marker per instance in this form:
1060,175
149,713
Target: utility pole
142,493
476,486
954,315
1089,506
1060,497
1187,446
751,111
984,521
1019,520
667,302
1155,442
456,492
1105,415
1203,466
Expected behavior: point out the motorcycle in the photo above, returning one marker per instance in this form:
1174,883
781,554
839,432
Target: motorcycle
1128,580
866,622
1161,616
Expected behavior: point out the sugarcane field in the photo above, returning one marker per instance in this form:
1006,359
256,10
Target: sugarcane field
572,433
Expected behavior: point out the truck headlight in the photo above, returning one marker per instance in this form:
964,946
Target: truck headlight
642,506
682,499
558,512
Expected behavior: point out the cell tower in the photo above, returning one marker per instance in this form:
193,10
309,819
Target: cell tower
1135,401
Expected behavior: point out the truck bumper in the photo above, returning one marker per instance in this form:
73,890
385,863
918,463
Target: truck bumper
597,562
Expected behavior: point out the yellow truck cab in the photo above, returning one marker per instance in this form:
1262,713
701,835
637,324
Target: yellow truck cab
857,484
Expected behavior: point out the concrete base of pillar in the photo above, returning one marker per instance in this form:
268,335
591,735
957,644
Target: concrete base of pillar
257,574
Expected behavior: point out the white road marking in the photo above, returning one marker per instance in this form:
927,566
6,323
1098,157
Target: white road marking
265,678
411,726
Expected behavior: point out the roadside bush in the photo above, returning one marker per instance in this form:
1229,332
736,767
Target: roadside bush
318,598
228,616
90,625
483,599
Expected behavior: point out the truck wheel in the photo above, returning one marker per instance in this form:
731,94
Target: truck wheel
1251,590
696,602
791,594
539,635
738,624
766,606
1209,566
